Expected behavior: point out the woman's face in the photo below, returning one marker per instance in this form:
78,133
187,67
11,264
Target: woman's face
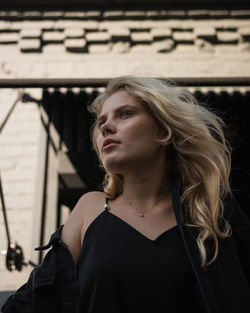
126,139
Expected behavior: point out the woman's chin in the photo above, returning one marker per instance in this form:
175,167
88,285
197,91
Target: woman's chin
113,165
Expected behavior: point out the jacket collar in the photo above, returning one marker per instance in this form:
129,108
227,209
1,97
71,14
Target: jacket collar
55,237
175,195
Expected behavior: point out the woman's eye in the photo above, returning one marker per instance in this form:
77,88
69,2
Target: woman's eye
124,114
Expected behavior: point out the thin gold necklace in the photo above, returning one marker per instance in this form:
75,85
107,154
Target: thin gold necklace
142,212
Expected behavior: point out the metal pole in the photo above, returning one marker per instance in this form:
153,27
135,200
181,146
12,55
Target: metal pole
100,82
4,213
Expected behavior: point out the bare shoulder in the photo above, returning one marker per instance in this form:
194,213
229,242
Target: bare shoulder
92,197
87,205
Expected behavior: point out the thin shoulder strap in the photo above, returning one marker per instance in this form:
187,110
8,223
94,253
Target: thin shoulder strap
106,204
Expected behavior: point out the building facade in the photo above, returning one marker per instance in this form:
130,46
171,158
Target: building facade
46,159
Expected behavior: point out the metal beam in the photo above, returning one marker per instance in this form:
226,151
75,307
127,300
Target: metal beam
100,82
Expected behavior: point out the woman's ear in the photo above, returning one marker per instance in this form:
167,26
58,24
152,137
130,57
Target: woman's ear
163,135
160,133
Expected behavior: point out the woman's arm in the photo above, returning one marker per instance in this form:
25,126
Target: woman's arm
71,233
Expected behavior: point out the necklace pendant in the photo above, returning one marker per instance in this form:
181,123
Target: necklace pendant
141,214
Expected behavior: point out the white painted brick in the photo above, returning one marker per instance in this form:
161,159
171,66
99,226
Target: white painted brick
97,36
4,25
161,32
33,14
19,174
205,31
204,45
143,48
98,48
27,162
13,280
15,127
120,47
226,36
186,49
30,33
9,37
90,25
52,14
9,140
153,14
30,45
141,37
227,49
13,14
18,151
183,36
134,14
150,24
198,13
219,13
163,45
12,139
25,114
75,44
53,36
74,14
176,13
74,33
27,106
244,31
7,99
51,50
6,163
244,47
6,151
112,14
240,13
119,33
20,202
93,13
32,24
17,217
120,24
18,188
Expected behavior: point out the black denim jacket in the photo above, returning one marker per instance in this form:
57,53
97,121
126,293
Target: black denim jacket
51,287
222,288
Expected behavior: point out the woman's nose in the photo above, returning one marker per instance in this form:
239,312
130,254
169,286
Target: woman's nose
107,127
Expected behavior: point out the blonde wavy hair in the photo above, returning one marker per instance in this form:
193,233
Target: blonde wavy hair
199,152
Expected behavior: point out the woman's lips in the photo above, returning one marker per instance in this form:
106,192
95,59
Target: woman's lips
110,145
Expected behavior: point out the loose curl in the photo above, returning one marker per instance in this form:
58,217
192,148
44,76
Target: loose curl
199,152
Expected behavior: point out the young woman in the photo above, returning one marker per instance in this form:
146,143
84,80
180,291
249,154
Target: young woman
166,234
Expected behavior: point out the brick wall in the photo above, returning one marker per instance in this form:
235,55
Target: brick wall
19,161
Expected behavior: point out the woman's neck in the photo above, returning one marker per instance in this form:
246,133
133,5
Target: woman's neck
146,187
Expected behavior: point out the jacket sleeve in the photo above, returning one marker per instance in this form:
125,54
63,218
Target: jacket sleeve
51,286
21,300
241,235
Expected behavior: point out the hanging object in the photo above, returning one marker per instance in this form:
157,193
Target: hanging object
14,253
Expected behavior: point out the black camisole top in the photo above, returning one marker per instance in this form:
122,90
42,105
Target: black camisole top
122,271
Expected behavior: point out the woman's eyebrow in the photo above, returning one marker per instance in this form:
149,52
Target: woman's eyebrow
102,117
